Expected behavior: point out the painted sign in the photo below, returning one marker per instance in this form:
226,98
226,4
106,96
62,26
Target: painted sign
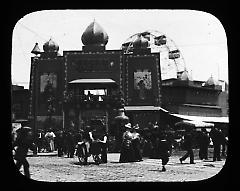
142,82
48,81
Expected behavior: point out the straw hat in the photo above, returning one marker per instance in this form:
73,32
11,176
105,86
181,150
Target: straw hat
128,125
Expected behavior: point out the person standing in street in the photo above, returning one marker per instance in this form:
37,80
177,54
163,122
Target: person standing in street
224,143
136,143
59,143
24,141
50,136
127,152
203,142
39,140
188,143
70,143
217,139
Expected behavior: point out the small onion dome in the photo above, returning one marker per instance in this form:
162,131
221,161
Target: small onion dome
210,81
140,42
50,46
94,35
185,76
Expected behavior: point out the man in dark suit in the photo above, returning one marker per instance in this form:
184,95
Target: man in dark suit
203,142
24,141
188,142
217,139
164,149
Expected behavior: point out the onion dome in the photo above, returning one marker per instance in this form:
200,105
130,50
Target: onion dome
140,42
50,46
94,35
185,76
210,81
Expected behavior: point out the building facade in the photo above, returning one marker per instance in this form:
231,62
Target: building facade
80,86
93,83
20,103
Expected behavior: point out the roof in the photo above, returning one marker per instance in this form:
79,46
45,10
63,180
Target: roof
144,108
92,81
203,118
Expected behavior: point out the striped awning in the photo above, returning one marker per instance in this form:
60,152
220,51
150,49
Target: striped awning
144,108
194,123
203,118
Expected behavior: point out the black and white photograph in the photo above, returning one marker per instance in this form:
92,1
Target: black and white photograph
119,95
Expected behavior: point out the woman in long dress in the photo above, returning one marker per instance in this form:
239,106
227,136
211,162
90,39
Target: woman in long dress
127,151
136,143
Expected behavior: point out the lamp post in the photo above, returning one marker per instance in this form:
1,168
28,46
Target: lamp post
120,120
36,51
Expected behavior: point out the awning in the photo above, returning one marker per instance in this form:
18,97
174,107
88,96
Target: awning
144,108
93,81
194,123
203,118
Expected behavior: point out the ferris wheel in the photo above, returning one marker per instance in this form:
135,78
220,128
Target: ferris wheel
171,60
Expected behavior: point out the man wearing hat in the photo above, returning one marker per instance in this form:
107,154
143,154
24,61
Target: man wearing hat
136,143
127,152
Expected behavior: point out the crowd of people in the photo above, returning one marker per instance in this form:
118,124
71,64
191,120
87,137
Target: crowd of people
156,142
151,142
64,142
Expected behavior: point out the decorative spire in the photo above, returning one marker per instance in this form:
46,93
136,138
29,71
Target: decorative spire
185,75
210,81
36,49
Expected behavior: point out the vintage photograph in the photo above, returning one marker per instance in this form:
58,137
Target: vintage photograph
122,95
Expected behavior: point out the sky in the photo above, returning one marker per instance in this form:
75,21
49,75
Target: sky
198,35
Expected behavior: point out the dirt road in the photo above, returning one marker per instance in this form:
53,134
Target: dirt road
61,169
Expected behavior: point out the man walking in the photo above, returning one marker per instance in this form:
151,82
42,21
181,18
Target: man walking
23,142
164,147
188,146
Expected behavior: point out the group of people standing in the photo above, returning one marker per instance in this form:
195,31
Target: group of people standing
67,141
131,146
203,139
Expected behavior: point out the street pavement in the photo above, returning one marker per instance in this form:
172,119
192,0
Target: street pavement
50,168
